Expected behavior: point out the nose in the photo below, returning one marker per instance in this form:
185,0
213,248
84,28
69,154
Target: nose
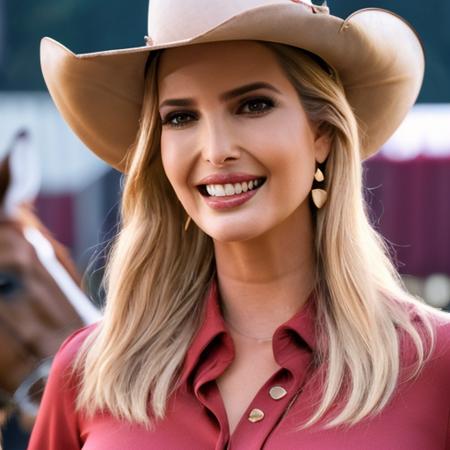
219,145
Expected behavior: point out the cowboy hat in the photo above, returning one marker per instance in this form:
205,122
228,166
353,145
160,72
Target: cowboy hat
377,55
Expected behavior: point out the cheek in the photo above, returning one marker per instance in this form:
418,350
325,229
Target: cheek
290,155
173,162
294,176
177,162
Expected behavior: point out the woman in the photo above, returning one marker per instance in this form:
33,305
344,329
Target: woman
249,302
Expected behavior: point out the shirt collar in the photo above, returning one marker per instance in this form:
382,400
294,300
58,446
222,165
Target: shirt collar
211,327
297,332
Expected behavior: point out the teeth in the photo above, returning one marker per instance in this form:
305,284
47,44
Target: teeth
221,190
229,189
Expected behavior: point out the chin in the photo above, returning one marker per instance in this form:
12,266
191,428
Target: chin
235,232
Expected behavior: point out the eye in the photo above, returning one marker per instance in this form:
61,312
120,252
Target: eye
9,285
257,105
178,119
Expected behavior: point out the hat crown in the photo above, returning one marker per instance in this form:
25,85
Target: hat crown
177,20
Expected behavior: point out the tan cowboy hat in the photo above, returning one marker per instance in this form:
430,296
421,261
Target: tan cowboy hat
377,54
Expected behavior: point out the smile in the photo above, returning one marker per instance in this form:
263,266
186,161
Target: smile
228,189
235,193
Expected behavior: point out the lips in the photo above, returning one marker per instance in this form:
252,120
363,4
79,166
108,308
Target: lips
229,191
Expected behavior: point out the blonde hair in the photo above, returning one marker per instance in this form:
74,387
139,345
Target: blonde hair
157,277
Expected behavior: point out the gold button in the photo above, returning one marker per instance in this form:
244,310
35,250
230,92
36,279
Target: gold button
255,415
277,392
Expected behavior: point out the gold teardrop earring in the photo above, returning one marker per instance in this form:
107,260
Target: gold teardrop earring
319,196
187,223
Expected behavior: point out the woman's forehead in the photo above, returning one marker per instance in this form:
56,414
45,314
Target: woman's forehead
222,63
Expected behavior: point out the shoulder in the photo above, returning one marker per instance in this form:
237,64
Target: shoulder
441,323
433,327
437,364
57,415
62,378
69,349
72,344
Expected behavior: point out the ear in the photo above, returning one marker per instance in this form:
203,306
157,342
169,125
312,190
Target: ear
5,179
322,143
19,175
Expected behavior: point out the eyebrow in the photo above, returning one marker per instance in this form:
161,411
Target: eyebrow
233,93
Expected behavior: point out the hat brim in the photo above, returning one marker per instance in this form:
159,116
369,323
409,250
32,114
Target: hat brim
377,54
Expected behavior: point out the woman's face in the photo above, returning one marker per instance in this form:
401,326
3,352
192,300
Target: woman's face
236,144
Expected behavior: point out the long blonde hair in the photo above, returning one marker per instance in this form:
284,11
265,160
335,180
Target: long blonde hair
157,276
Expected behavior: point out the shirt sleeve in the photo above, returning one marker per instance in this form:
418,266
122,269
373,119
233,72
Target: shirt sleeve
56,426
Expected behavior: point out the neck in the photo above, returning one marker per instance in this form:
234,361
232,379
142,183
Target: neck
263,282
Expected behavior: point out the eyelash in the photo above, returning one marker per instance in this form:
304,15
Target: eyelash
269,102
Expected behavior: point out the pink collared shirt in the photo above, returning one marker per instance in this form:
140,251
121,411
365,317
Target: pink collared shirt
417,417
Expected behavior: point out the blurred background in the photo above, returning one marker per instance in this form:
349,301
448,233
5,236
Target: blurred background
407,182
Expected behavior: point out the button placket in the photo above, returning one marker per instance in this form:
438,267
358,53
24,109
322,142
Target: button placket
277,392
264,413
207,392
256,415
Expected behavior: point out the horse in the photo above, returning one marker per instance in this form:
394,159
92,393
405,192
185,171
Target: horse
41,301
